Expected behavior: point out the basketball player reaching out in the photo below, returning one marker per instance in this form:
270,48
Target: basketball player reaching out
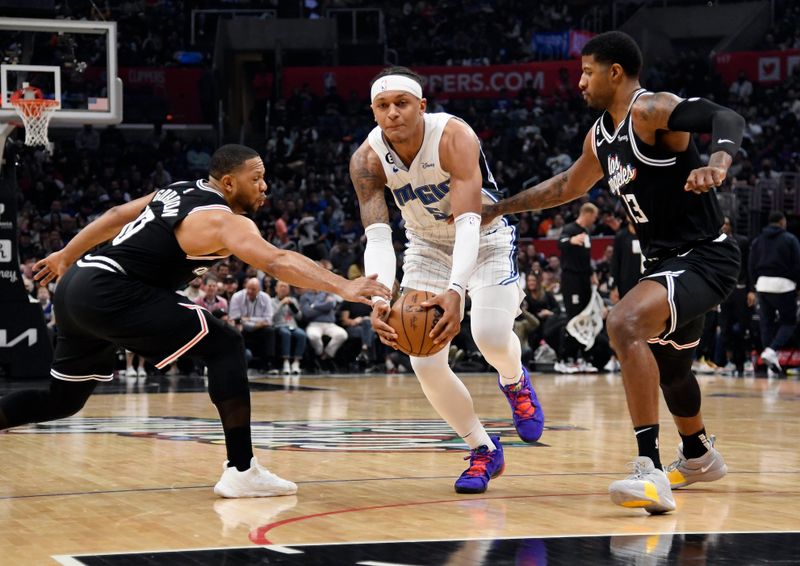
643,148
124,295
434,167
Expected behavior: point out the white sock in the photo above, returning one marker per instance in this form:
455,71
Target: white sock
510,380
477,437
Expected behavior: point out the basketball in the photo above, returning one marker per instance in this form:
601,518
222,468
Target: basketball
413,324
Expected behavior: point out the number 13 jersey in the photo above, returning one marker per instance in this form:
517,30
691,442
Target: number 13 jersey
649,180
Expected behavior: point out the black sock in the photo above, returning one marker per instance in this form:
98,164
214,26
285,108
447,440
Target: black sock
695,445
647,439
240,450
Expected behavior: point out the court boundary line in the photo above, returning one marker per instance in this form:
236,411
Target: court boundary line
71,559
258,535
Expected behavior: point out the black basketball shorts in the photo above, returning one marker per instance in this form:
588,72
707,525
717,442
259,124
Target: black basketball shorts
696,282
99,310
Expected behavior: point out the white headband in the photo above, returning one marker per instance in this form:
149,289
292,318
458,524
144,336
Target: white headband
395,82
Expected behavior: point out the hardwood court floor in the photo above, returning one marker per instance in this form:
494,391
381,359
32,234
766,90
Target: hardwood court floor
133,472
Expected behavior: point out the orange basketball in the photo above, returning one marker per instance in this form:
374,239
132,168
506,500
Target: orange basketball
413,324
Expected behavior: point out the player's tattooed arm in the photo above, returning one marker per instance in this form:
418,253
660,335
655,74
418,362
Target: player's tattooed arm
651,112
369,181
560,189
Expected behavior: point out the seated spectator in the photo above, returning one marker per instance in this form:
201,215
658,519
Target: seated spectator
44,297
131,370
160,177
355,319
741,89
194,290
287,311
554,231
210,300
554,266
524,327
229,287
541,304
319,309
342,256
197,158
252,309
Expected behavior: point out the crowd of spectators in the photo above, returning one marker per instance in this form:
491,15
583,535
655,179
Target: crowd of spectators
527,138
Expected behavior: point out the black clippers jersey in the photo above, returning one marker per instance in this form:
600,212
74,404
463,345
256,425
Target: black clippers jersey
147,249
649,180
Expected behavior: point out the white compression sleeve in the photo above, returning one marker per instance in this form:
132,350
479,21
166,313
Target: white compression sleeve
379,256
465,251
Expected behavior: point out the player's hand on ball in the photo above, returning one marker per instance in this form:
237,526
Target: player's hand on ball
704,179
449,324
362,290
378,317
53,266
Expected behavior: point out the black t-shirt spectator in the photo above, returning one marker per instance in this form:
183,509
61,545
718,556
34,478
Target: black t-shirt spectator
577,259
356,309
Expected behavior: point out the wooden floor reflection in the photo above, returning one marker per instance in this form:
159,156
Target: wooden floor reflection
133,471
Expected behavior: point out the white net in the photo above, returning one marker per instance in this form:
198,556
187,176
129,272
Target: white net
35,114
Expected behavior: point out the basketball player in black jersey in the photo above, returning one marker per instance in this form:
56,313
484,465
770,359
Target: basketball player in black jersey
124,295
642,147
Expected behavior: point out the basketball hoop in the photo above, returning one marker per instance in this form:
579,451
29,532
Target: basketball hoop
35,111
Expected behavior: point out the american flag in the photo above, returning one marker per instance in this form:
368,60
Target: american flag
98,104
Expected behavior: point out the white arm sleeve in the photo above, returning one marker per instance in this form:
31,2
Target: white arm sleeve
465,251
379,256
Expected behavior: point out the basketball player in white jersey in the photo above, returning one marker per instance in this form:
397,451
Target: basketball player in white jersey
434,167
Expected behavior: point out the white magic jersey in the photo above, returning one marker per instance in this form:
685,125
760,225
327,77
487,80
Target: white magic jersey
422,193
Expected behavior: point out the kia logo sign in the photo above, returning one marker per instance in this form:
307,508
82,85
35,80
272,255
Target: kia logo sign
31,334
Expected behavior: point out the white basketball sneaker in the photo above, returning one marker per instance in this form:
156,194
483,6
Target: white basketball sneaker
256,481
708,467
770,357
646,487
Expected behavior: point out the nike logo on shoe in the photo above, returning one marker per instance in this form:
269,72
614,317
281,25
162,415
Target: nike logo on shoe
724,141
704,469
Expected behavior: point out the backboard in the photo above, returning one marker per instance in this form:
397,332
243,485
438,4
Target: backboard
72,62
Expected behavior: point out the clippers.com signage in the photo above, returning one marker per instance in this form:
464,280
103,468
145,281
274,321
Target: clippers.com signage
766,67
446,82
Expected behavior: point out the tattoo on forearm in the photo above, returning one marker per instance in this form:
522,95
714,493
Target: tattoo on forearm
369,188
544,195
720,159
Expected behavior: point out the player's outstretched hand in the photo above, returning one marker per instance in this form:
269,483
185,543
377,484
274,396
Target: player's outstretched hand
704,179
378,318
362,290
450,322
52,267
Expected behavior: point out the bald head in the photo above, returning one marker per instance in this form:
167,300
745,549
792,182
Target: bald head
252,286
